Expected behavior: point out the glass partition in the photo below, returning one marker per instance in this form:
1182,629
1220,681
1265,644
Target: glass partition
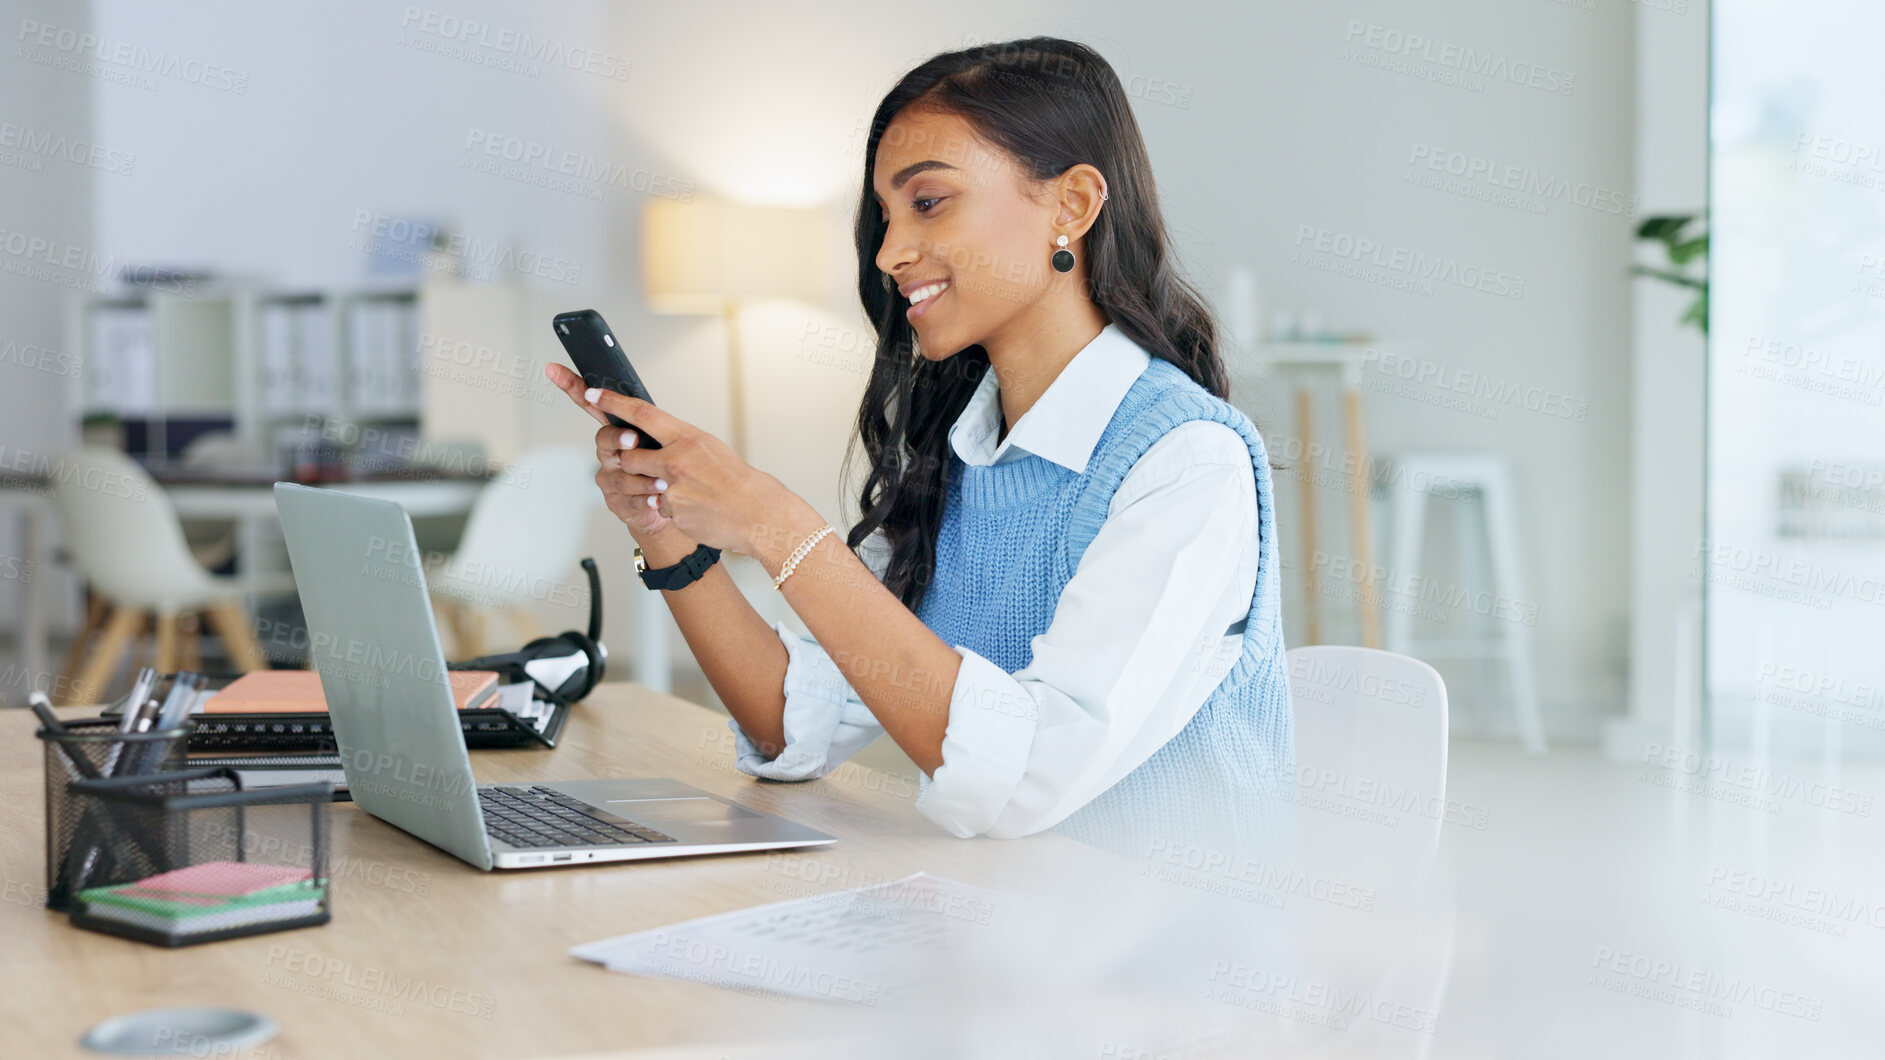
1794,559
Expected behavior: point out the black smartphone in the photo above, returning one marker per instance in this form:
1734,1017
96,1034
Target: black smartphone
595,353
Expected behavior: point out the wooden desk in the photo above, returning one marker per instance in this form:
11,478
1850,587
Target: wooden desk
404,909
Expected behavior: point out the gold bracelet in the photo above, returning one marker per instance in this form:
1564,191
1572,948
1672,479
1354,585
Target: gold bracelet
799,553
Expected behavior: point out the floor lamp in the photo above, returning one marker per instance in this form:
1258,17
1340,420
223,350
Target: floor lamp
709,256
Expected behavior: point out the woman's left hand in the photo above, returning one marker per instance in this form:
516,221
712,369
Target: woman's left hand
711,494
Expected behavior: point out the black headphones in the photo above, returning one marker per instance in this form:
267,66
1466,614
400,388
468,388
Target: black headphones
574,660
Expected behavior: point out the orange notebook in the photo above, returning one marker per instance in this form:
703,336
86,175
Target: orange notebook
299,692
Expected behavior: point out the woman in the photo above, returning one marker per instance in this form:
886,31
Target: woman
1070,617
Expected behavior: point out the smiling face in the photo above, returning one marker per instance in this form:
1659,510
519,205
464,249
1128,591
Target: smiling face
968,234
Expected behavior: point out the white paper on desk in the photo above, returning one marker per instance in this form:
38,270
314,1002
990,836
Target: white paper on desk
865,945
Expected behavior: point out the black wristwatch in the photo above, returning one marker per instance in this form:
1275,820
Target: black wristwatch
680,575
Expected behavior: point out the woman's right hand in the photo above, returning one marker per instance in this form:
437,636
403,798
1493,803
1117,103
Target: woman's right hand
625,494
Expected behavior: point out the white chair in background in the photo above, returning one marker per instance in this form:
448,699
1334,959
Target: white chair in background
1417,476
523,537
124,537
1371,735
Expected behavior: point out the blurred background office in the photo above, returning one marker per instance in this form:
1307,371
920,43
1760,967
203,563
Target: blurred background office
323,242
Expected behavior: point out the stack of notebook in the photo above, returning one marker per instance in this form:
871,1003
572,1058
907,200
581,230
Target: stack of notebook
278,712
216,896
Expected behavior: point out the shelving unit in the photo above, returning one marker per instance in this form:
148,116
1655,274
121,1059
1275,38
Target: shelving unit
267,360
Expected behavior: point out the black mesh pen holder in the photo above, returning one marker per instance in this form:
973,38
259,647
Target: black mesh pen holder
93,750
194,858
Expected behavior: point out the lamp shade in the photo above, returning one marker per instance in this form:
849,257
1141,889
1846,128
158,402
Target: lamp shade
698,256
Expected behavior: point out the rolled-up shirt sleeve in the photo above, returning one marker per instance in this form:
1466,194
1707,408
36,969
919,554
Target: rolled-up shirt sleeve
1138,640
825,721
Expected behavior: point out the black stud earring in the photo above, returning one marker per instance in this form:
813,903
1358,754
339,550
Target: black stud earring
1063,258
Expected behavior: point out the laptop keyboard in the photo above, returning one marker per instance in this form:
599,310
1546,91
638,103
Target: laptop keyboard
541,817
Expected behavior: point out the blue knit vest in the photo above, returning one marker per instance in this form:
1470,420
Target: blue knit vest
1012,535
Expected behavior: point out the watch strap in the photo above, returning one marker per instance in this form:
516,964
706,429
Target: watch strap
682,574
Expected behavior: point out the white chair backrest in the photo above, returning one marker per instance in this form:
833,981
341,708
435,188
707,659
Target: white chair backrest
123,533
525,532
1371,749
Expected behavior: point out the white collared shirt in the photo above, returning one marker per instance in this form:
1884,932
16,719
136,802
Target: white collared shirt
1137,642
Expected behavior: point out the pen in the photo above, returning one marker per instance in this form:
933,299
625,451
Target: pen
42,708
177,704
163,718
139,690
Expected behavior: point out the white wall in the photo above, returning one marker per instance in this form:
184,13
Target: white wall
46,198
47,252
1281,127
1667,395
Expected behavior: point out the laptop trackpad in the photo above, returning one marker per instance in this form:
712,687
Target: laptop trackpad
695,810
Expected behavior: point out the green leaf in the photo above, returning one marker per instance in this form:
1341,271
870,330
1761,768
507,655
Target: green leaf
1670,275
1664,227
1698,313
1683,253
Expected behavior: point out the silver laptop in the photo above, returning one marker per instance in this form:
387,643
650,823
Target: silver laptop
373,641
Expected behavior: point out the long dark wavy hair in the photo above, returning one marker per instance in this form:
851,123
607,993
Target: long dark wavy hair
1050,104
